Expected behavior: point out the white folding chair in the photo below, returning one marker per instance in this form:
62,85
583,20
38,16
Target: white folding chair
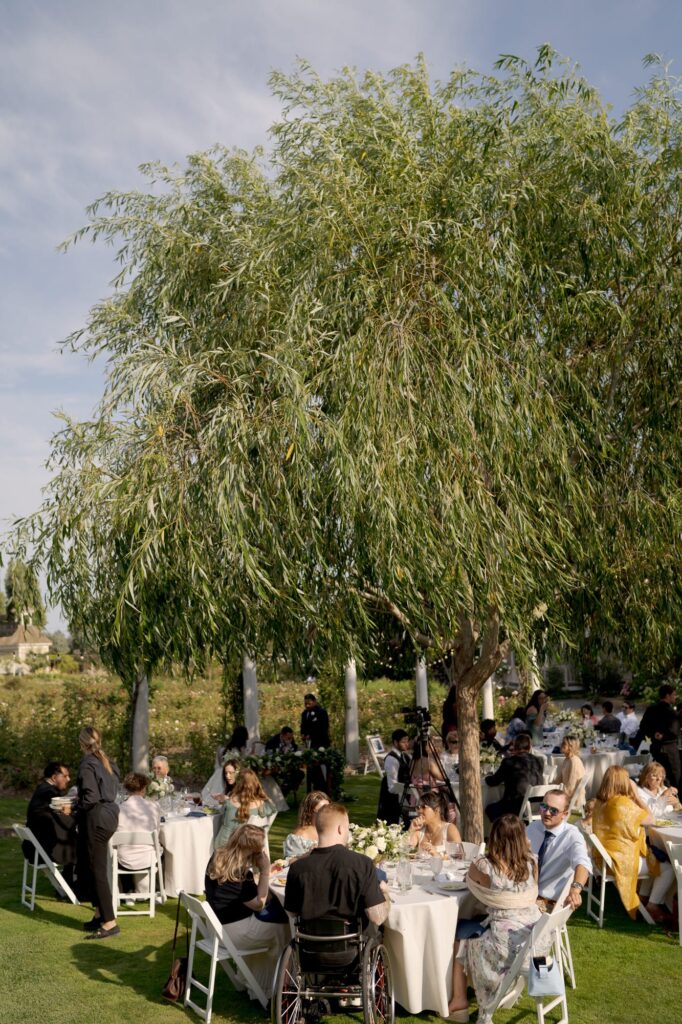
472,850
150,840
636,759
603,873
266,824
674,851
577,802
562,942
514,981
41,862
377,753
208,935
528,812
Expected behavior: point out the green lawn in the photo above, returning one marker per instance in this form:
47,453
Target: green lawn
626,973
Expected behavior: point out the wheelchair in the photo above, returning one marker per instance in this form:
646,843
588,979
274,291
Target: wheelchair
335,965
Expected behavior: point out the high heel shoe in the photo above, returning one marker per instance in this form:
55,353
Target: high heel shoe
460,1016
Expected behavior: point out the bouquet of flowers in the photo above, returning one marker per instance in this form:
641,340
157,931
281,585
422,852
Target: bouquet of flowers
489,757
378,842
584,733
156,788
566,716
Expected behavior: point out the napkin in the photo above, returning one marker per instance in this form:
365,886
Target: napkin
451,876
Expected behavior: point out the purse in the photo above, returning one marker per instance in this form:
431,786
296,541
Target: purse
545,979
174,989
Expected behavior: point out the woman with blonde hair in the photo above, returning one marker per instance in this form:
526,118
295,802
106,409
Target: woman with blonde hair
652,791
97,813
237,899
246,803
505,882
618,822
304,837
571,772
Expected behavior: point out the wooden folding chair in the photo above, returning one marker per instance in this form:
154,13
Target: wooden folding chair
41,862
211,937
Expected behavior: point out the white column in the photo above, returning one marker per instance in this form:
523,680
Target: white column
421,687
250,698
352,732
488,702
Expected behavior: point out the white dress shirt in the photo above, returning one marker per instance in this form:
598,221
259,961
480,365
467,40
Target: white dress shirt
566,851
629,724
392,763
137,815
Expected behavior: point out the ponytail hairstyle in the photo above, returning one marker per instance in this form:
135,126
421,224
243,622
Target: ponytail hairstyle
90,739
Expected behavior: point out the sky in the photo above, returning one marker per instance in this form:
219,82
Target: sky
90,90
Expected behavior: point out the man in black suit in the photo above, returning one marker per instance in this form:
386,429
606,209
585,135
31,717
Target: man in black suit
661,725
54,830
519,770
315,730
283,743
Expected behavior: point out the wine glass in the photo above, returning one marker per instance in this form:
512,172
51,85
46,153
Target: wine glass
455,850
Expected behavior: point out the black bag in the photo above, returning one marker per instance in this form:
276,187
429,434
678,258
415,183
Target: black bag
174,989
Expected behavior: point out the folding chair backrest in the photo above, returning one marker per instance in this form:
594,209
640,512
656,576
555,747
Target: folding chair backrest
472,850
41,862
138,838
600,850
527,812
513,978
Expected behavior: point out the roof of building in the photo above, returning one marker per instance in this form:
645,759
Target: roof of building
13,633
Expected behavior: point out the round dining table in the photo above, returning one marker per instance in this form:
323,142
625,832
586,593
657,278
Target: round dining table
187,842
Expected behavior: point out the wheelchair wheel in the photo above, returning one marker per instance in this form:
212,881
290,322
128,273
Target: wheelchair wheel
287,1000
377,986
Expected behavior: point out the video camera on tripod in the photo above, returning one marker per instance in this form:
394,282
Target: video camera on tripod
421,717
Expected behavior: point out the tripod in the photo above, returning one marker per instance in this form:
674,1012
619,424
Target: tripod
427,751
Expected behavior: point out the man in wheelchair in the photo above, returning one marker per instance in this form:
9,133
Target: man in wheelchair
337,953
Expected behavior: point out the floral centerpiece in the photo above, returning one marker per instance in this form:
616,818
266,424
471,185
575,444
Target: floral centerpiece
489,757
378,842
281,763
157,788
566,716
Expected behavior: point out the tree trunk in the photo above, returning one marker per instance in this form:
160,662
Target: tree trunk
421,685
351,725
251,720
471,805
139,751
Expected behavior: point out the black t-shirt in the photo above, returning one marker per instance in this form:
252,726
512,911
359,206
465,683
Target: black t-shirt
332,882
227,899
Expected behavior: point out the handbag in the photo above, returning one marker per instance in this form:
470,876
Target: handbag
174,989
545,977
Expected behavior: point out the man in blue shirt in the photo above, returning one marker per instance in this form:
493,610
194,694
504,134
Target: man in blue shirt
561,851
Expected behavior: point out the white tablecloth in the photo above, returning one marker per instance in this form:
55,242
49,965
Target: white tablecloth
420,935
671,833
187,844
595,765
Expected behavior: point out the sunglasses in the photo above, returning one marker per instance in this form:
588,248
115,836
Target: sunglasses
552,811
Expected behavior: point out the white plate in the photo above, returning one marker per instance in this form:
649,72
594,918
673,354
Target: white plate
454,886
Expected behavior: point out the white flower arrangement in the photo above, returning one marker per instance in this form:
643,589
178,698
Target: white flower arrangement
489,756
378,842
566,716
157,788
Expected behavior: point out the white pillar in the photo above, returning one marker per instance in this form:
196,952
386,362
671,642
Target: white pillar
250,698
488,702
422,689
352,732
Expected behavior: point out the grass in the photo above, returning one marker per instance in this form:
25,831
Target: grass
52,976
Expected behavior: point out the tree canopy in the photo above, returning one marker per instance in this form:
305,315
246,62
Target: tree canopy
24,603
421,358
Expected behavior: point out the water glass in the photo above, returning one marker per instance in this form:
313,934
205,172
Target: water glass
436,865
404,874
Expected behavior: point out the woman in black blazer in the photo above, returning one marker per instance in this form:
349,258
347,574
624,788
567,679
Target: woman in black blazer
98,781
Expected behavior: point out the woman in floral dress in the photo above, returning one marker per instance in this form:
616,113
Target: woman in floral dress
505,881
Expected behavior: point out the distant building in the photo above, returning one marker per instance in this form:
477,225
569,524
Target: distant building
17,641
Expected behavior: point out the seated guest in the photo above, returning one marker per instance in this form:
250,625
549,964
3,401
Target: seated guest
505,881
519,770
588,716
489,735
571,771
220,785
55,830
160,767
609,723
430,830
395,778
426,773
304,837
246,803
516,725
237,743
136,815
283,743
333,881
561,851
652,791
236,899
629,725
618,822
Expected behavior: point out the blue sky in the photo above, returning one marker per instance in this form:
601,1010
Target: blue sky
89,90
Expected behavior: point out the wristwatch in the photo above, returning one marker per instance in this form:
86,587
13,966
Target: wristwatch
577,885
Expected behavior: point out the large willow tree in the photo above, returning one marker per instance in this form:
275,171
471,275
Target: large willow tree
421,359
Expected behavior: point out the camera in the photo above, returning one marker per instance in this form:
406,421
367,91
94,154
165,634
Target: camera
421,717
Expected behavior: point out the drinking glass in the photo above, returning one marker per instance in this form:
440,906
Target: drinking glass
404,874
436,865
455,850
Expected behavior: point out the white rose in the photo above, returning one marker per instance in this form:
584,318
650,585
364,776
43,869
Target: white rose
381,844
371,852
